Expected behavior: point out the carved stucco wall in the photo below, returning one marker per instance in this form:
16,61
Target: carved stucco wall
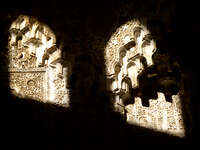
36,71
128,53
35,62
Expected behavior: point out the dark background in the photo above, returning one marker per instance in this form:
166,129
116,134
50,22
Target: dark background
84,29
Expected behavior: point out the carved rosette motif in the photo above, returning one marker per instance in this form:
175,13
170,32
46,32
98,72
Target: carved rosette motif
28,84
127,53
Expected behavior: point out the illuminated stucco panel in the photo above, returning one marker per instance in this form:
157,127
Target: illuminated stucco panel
128,52
35,63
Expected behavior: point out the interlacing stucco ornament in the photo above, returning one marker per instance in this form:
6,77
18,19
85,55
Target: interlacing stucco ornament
35,64
128,54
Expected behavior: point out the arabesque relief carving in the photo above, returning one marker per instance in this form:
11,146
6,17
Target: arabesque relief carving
36,71
35,63
28,84
129,66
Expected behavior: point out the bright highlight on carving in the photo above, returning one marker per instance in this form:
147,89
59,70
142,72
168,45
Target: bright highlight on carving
35,64
36,72
127,54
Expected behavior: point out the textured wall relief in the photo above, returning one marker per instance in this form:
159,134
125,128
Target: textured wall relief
35,63
28,84
145,86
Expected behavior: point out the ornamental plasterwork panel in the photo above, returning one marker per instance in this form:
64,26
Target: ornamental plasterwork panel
35,63
128,52
28,84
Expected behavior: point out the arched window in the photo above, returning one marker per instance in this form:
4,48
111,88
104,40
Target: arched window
35,62
129,55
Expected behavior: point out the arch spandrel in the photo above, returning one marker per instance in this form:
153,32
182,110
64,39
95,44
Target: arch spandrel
132,46
35,62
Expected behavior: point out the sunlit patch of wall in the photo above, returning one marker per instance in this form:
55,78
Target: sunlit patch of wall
127,55
35,62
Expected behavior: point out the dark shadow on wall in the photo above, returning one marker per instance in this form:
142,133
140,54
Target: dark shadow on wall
90,121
